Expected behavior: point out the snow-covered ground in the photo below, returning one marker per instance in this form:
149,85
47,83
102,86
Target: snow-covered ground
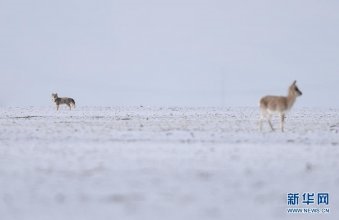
164,163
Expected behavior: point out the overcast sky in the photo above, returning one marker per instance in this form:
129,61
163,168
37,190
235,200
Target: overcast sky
168,53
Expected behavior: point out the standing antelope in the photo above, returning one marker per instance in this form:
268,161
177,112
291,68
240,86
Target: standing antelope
278,104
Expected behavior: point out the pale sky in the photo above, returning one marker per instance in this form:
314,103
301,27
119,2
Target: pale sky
168,53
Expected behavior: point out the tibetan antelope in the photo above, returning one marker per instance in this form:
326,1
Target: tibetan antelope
63,100
278,104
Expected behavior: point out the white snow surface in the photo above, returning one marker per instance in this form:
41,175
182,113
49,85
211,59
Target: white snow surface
163,163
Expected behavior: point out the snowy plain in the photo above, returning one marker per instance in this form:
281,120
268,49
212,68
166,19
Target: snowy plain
163,163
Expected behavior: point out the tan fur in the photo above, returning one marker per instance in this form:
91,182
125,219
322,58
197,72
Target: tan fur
63,100
278,104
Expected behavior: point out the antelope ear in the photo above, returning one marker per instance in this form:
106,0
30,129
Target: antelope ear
294,82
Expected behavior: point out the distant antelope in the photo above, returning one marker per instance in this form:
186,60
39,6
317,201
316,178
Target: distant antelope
63,100
278,104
